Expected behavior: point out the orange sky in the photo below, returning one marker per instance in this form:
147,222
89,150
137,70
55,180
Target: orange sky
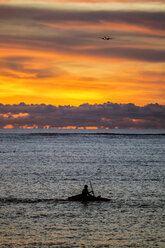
51,53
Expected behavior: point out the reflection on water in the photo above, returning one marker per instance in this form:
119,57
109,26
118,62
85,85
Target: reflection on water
39,172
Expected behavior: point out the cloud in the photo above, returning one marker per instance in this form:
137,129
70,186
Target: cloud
107,115
44,30
142,18
25,67
150,55
52,38
32,16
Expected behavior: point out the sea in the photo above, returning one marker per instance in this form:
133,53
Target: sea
41,168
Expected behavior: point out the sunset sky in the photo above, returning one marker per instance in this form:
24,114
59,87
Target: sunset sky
51,53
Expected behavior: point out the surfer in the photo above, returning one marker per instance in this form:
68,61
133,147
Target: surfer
85,193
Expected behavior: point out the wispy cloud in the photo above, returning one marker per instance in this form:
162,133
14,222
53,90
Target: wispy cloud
23,67
39,30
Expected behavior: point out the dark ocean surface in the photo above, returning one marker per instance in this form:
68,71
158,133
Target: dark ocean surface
39,169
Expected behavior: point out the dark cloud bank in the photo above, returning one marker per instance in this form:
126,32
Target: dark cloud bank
153,20
107,115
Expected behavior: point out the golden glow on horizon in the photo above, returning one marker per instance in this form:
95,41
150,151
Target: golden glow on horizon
15,116
9,126
79,82
49,127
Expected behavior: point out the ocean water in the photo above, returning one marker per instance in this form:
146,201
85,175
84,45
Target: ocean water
40,169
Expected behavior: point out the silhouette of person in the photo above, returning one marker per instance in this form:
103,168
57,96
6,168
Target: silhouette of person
85,193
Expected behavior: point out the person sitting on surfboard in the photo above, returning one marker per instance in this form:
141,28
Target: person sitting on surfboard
85,193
